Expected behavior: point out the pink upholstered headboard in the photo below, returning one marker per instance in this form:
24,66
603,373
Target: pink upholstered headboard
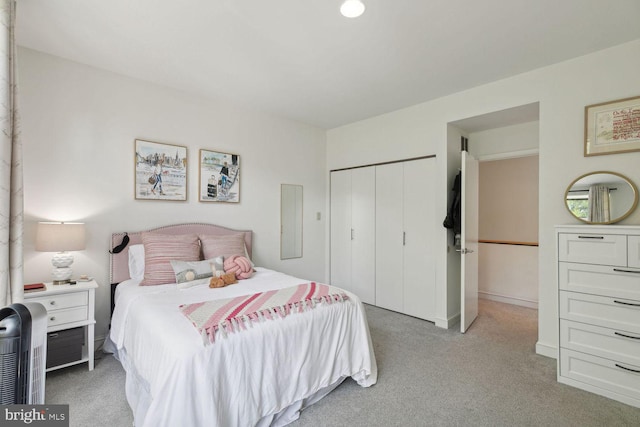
120,262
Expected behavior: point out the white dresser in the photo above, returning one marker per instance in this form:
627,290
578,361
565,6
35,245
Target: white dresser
599,310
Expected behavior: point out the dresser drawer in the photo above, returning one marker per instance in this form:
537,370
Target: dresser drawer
57,302
604,249
623,315
603,342
621,282
603,373
633,244
69,315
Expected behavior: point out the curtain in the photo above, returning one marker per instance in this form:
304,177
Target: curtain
11,198
599,204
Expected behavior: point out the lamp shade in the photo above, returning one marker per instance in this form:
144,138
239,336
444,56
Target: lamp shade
60,236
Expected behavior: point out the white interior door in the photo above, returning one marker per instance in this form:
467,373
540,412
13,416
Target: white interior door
363,238
469,242
388,246
419,226
341,229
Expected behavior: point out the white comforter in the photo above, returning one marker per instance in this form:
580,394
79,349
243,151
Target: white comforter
173,378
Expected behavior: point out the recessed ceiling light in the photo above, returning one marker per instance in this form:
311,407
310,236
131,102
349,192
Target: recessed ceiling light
352,8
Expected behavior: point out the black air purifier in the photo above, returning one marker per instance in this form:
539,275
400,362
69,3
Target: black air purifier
23,350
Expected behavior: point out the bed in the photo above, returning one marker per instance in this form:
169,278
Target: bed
260,375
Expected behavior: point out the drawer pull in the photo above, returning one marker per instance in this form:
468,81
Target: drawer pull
591,237
628,369
620,270
52,318
627,336
626,303
52,302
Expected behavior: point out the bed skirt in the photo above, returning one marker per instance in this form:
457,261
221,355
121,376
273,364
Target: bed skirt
139,397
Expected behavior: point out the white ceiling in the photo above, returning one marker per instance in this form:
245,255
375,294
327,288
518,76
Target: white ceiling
301,59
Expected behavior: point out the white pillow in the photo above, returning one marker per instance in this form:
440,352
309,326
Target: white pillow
136,262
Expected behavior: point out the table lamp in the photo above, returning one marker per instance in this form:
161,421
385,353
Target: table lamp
60,237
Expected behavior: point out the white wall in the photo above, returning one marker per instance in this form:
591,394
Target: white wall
523,137
508,205
562,91
508,274
508,212
78,129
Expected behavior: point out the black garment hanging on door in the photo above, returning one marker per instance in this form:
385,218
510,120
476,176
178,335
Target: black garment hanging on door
454,216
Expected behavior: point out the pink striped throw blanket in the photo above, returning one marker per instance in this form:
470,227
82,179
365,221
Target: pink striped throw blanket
233,314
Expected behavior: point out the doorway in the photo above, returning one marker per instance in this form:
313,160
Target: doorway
508,231
502,140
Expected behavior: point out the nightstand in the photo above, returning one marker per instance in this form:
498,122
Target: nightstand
71,318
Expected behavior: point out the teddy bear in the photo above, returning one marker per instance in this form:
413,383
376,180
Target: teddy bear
223,280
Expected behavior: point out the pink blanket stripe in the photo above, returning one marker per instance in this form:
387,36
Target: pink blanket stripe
234,314
191,308
312,290
298,294
260,301
220,313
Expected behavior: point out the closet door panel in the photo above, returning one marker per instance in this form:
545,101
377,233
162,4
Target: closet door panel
389,202
341,229
419,253
363,223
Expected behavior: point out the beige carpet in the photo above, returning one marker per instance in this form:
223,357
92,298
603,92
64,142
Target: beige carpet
489,376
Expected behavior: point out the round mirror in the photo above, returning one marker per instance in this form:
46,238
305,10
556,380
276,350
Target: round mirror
601,197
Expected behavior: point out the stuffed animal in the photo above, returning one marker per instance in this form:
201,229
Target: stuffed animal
239,265
222,281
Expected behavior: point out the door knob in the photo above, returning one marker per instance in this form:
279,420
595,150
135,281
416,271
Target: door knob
465,251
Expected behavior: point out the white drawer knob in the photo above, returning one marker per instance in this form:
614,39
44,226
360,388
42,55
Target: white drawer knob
52,318
52,302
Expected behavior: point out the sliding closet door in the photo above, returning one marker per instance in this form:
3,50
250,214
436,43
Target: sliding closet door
341,229
419,220
389,236
363,239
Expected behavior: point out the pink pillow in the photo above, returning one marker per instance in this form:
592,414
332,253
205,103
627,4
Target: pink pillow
239,265
160,250
226,246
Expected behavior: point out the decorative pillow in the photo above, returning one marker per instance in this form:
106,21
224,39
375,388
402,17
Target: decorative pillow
226,246
217,266
136,262
239,265
160,250
186,271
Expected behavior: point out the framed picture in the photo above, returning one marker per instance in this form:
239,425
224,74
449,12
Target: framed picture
612,127
161,171
219,177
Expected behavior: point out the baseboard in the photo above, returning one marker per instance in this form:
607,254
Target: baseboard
546,350
447,323
508,300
